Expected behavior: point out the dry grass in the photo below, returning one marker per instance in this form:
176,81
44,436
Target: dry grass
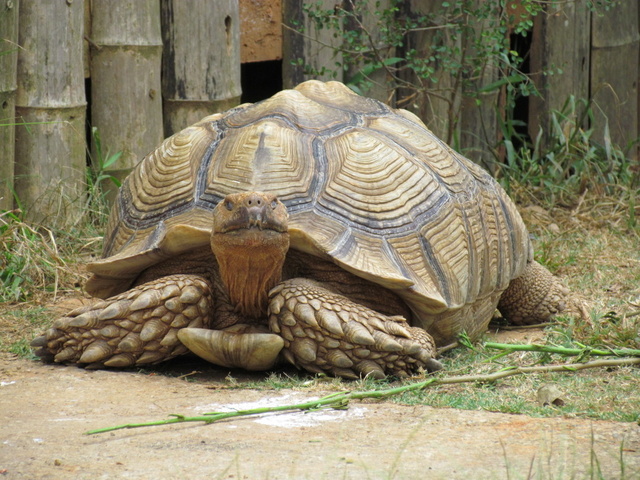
38,268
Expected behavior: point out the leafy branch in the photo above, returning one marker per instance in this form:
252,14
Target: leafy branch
341,400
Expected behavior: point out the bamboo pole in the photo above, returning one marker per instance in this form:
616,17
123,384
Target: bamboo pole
86,49
200,60
51,151
451,104
8,86
364,19
126,104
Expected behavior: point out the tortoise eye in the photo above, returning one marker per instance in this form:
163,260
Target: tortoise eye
274,203
229,205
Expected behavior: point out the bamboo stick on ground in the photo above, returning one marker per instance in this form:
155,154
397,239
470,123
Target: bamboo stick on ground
584,350
341,400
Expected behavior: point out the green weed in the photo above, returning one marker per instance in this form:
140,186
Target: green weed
571,165
22,349
99,181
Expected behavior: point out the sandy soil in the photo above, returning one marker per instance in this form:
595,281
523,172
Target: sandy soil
45,409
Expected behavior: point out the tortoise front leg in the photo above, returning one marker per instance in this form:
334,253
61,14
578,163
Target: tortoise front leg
325,332
136,327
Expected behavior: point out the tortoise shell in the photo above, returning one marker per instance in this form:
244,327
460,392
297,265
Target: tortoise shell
366,186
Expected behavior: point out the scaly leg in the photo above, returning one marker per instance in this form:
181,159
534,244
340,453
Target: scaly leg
136,327
533,297
325,332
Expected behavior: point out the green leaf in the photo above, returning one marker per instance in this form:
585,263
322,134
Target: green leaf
510,80
368,70
112,159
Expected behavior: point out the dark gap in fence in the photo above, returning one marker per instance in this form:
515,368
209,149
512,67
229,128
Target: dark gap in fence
260,80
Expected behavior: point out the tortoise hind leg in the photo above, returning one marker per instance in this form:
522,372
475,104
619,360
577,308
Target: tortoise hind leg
325,332
136,327
534,297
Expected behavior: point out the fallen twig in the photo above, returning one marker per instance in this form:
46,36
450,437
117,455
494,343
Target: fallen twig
341,400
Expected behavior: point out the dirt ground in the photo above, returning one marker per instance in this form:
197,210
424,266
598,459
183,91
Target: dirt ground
45,410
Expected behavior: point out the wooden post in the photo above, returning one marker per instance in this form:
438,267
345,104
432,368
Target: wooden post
478,115
8,86
435,102
126,103
200,61
560,63
51,153
365,19
86,47
615,47
307,46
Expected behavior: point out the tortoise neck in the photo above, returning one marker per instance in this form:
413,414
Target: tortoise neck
250,264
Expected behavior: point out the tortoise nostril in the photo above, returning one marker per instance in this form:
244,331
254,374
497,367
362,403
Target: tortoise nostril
254,201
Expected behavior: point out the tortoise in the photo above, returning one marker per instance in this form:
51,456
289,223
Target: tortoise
318,227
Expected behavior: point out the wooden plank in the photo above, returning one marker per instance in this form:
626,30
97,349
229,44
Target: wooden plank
86,48
8,86
307,46
260,30
615,49
435,100
477,119
200,61
50,172
365,19
126,100
560,62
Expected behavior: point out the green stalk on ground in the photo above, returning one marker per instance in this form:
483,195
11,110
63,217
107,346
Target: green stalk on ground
341,400
584,350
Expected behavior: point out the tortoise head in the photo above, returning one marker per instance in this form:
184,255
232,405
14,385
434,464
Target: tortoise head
250,240
241,214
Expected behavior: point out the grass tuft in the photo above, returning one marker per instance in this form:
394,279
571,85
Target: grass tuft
37,263
574,174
